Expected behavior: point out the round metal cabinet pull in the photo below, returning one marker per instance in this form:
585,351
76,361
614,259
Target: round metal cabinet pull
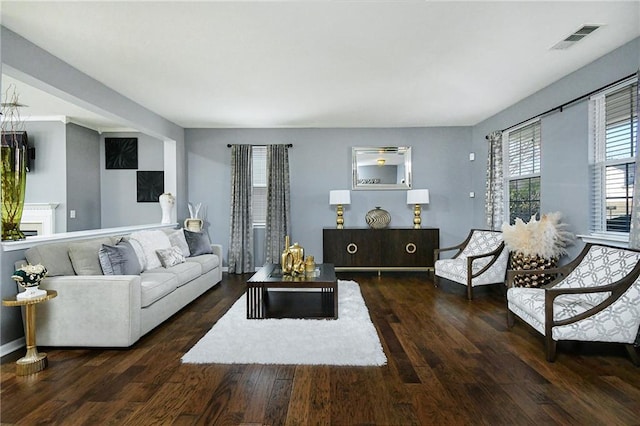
410,248
352,248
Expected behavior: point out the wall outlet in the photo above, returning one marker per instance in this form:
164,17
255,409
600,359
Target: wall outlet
72,214
472,156
472,194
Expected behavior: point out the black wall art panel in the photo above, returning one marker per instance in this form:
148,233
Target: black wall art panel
121,153
150,186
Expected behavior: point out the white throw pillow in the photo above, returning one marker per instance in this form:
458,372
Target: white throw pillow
177,239
150,242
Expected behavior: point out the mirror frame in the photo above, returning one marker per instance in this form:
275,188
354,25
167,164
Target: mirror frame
359,156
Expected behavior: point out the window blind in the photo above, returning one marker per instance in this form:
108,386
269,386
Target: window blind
524,150
614,117
523,171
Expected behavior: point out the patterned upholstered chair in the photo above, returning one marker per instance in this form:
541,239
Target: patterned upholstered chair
481,259
595,298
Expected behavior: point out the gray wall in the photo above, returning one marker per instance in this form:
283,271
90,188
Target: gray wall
83,178
48,182
320,161
118,192
565,138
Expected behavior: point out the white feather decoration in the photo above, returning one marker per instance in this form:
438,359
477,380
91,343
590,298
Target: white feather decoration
547,238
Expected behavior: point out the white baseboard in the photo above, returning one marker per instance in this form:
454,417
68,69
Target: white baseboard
12,346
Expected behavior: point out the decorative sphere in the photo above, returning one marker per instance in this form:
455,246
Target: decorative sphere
378,218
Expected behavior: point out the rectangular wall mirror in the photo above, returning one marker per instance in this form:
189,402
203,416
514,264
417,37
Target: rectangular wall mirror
381,167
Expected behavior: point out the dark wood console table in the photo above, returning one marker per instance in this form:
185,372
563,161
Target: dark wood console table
362,249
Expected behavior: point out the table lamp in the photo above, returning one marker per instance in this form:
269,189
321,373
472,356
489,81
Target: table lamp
417,197
339,198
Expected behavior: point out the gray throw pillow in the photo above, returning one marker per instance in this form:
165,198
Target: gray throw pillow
198,243
120,259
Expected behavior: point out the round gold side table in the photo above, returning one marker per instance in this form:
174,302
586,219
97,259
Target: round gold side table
33,361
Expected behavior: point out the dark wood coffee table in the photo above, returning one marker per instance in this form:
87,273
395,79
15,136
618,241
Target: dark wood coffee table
271,294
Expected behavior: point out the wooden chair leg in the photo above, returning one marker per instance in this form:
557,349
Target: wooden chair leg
550,346
633,354
469,292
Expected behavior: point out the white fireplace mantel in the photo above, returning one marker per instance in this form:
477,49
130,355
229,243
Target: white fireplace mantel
39,216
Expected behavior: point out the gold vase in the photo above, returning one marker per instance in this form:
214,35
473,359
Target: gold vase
292,259
286,259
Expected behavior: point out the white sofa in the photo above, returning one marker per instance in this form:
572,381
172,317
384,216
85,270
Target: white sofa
95,310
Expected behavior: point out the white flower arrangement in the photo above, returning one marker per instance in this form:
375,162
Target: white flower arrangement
29,275
546,238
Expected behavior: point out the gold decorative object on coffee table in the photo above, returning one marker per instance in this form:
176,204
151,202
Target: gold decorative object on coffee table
33,361
292,259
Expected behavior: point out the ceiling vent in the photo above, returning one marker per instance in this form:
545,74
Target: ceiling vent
578,35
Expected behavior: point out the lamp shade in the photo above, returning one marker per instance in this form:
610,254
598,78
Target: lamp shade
418,196
342,196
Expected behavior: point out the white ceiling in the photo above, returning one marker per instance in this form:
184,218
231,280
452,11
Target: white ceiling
318,63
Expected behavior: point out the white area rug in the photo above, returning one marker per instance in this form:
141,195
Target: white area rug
350,340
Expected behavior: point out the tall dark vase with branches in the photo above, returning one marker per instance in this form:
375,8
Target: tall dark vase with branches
14,166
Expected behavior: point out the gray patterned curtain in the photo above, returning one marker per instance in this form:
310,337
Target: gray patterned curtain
278,210
634,233
241,229
494,204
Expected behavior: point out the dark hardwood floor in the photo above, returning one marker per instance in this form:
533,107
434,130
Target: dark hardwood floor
450,361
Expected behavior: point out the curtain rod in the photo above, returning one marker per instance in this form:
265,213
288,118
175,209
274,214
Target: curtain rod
566,104
289,145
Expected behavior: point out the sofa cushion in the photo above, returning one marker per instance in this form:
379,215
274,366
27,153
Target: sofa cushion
120,259
155,285
55,257
198,242
84,256
184,272
207,261
178,239
150,242
170,257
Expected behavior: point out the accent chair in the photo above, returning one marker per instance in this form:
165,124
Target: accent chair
595,298
481,259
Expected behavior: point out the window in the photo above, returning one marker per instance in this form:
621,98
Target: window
614,117
259,197
523,171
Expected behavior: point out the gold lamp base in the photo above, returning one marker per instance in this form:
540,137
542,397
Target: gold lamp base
339,218
416,217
